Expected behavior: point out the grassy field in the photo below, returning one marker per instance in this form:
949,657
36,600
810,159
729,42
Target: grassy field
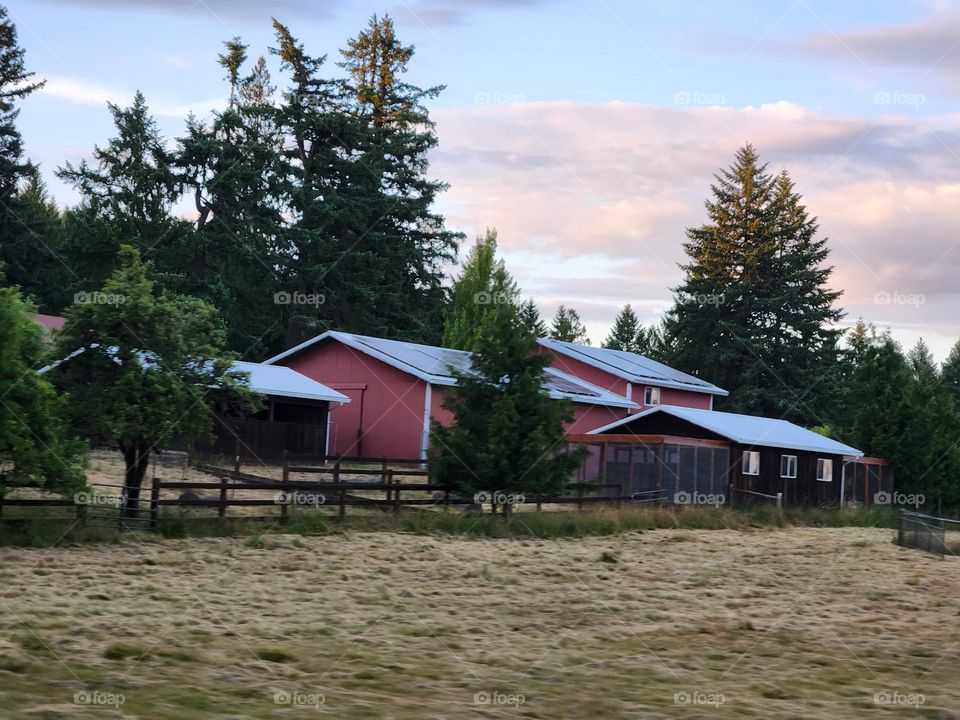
768,622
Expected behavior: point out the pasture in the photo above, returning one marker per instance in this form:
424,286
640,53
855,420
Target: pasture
763,622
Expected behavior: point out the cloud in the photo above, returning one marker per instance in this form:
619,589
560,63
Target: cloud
83,92
443,13
591,200
241,9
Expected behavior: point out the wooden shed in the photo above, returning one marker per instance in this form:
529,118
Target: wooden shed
687,453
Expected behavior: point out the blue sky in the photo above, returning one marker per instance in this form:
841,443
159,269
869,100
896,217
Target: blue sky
587,133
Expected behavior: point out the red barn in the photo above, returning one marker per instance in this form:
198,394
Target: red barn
395,388
636,377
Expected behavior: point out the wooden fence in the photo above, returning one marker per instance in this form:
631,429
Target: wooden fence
391,484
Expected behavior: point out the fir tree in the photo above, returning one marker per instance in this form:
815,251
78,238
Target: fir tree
950,373
529,318
508,434
626,332
127,195
754,314
402,228
483,291
567,326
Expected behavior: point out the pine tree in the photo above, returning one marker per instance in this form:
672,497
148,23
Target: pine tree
626,332
754,314
236,171
483,291
127,196
529,318
403,230
567,326
24,247
950,372
508,434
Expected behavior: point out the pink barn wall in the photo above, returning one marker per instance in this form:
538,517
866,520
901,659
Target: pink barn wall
392,401
609,381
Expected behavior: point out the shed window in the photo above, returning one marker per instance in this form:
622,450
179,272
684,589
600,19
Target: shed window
824,470
751,462
651,395
788,466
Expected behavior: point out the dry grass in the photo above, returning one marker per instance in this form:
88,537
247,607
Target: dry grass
801,622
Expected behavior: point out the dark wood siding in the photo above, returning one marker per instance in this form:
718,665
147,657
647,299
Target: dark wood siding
804,489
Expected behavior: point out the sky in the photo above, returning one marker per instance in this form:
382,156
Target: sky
587,133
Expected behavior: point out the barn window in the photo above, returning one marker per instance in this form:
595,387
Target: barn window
788,466
651,395
751,462
824,470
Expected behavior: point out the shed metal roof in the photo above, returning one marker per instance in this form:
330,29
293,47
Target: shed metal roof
745,430
632,367
433,365
275,380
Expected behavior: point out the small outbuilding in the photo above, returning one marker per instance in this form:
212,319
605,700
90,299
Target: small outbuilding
688,454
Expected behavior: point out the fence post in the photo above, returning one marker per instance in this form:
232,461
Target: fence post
343,492
284,487
580,497
222,505
154,503
732,496
82,514
780,504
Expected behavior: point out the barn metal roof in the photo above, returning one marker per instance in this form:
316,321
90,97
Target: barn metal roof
433,365
285,382
632,367
745,430
275,380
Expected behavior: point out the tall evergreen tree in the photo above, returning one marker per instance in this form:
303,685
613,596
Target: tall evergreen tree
567,326
483,291
237,174
950,372
529,318
24,246
754,313
404,231
626,332
127,196
508,434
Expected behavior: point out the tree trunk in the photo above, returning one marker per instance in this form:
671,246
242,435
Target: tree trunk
136,456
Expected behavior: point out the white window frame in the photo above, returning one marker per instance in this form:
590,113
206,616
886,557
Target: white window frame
746,462
795,462
651,395
823,463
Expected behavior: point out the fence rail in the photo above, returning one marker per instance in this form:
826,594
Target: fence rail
774,499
